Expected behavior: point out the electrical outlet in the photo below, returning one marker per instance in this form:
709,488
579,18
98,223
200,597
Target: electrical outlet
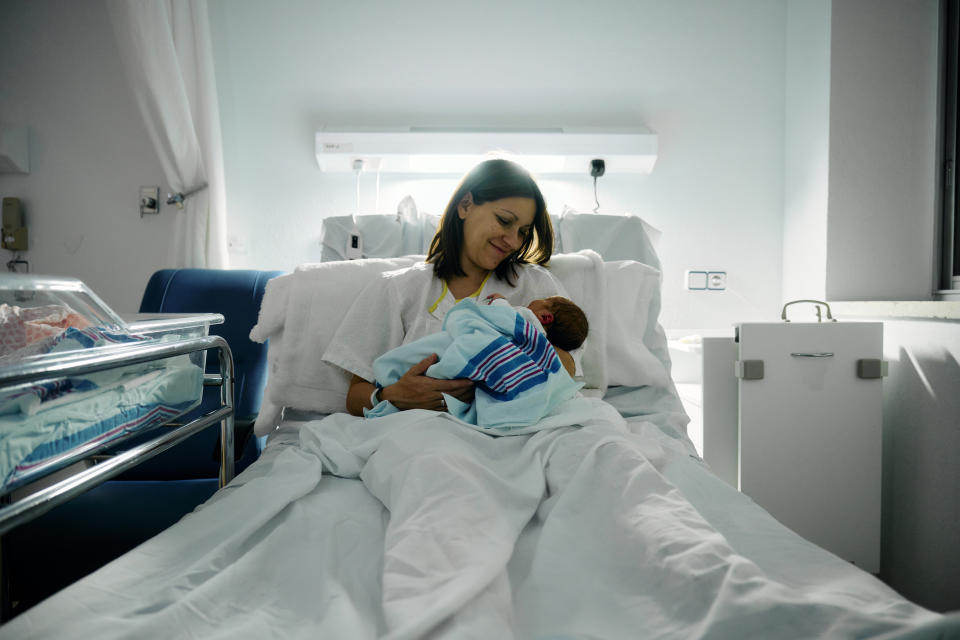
149,200
716,280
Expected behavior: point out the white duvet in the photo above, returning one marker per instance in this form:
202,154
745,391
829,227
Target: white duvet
607,529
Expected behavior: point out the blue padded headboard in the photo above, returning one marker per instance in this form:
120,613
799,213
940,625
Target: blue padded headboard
236,294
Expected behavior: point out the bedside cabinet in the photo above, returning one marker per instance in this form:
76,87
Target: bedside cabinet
803,435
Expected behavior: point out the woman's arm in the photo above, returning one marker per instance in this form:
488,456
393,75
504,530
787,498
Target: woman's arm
413,390
358,396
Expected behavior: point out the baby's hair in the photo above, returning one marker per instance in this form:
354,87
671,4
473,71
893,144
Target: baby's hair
569,328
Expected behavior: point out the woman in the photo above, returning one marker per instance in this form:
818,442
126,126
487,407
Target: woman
494,234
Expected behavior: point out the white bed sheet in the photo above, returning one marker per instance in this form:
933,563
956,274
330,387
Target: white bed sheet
284,552
691,395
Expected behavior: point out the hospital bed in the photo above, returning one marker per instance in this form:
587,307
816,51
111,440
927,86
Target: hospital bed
632,535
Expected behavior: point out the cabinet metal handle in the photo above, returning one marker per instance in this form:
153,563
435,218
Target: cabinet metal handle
818,303
821,354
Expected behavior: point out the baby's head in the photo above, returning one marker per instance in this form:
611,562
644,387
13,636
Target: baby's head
565,323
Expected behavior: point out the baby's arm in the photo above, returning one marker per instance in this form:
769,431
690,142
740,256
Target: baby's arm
567,361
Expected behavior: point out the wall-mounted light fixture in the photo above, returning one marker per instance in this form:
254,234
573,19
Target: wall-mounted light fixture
454,151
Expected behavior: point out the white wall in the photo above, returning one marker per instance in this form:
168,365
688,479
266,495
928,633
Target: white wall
706,76
860,170
806,149
864,179
89,151
883,110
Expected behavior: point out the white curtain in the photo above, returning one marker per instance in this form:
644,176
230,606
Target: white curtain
167,54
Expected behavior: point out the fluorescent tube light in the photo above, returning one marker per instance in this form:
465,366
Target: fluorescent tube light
446,151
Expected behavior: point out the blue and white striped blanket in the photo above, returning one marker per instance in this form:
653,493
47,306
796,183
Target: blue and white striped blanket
40,422
519,377
28,400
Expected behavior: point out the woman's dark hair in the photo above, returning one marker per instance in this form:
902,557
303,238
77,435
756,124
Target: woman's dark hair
492,180
569,327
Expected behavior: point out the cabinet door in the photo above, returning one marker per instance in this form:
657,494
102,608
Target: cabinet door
810,433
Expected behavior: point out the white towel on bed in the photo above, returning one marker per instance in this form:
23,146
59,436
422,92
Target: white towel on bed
299,314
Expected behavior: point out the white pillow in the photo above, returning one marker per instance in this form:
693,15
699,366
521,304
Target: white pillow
636,343
301,312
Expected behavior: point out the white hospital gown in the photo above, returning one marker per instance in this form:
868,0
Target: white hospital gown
406,304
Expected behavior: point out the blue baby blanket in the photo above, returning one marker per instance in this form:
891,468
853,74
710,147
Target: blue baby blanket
519,377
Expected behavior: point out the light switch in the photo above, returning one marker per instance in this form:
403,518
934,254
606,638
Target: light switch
695,280
149,200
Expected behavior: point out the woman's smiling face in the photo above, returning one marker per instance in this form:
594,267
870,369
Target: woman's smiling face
493,230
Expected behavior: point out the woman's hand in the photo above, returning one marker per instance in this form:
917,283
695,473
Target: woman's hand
416,390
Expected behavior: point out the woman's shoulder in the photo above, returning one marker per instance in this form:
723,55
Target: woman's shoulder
409,284
535,272
404,277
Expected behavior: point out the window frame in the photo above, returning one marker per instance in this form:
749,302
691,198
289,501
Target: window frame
949,231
